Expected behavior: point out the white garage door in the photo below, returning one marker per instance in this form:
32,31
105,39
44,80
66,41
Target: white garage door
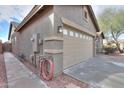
77,47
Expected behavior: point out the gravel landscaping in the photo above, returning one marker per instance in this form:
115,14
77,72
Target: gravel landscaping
3,78
65,81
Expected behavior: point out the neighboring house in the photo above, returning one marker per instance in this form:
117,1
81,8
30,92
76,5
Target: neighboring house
105,42
12,36
12,28
121,42
99,42
1,47
65,32
122,46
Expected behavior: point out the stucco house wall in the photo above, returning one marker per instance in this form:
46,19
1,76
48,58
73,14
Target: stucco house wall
74,13
12,32
13,36
99,44
46,24
14,42
1,47
40,24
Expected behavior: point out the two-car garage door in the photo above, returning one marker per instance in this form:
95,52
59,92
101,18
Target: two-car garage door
77,46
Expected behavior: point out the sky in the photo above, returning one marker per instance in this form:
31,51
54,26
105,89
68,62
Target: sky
11,13
17,13
99,8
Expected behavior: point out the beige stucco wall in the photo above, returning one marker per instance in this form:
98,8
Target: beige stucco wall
12,32
15,47
75,14
42,25
46,23
99,44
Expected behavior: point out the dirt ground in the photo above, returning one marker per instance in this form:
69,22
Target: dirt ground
3,78
65,81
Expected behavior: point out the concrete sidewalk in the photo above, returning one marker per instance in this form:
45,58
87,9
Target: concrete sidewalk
19,76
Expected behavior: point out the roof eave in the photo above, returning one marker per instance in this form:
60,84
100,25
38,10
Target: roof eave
95,21
34,10
9,31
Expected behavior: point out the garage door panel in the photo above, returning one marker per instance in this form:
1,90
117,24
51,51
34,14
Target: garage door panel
76,49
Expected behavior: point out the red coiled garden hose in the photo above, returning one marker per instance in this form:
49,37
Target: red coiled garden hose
46,73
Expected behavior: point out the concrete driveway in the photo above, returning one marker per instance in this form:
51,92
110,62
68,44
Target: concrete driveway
101,71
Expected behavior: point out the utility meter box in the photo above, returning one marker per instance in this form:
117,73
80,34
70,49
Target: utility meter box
35,42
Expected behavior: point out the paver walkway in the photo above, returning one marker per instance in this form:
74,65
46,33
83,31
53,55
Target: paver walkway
19,76
101,71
